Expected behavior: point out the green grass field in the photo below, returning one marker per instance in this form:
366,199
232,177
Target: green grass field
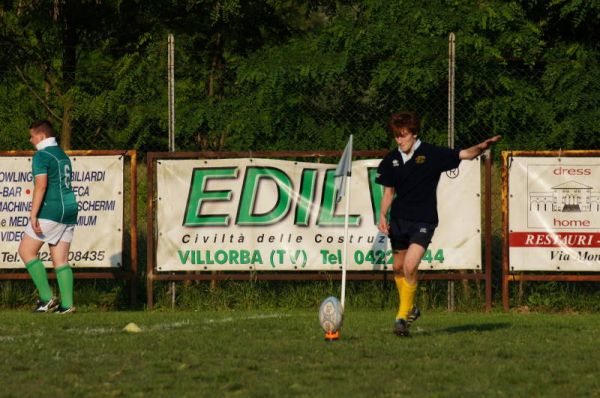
282,353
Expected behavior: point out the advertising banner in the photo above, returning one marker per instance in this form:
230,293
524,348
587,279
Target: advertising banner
98,185
266,214
554,214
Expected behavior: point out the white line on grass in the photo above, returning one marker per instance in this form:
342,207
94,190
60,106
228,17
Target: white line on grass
246,318
21,336
166,326
96,331
93,331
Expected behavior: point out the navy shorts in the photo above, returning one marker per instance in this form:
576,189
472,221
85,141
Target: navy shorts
405,232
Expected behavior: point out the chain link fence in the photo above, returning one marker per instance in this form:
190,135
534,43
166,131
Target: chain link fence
289,105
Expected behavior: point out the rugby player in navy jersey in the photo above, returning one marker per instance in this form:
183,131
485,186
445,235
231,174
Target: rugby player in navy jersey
410,175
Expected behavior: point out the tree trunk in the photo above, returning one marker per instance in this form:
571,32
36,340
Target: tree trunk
69,65
214,140
66,128
216,66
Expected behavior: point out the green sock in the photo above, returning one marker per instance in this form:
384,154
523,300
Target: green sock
64,276
40,279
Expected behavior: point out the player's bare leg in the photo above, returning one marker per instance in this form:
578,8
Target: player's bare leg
411,262
60,253
29,248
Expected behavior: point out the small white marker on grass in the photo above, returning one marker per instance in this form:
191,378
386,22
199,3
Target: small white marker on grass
132,328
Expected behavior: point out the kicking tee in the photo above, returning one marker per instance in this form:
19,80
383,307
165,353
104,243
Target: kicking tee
415,182
59,202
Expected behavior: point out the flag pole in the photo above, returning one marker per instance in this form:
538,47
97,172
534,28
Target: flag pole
345,254
343,174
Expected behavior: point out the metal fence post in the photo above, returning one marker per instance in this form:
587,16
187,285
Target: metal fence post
451,82
171,95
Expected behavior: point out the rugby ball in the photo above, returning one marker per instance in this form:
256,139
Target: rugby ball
331,314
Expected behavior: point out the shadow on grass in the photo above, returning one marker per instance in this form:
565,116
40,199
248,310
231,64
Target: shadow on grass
481,327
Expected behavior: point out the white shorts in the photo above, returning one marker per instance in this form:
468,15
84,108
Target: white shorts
52,232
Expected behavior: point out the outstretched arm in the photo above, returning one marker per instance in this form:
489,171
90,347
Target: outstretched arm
476,150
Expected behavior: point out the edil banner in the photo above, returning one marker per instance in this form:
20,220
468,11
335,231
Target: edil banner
266,214
554,213
98,185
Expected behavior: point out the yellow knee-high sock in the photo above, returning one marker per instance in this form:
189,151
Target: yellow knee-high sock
399,281
407,299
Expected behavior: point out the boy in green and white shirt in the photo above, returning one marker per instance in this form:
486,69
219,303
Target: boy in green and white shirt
52,220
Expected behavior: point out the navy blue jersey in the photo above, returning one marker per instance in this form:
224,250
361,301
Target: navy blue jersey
415,182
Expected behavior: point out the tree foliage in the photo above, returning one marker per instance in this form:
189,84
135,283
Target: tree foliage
286,74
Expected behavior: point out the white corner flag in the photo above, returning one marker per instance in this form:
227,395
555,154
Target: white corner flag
343,174
343,170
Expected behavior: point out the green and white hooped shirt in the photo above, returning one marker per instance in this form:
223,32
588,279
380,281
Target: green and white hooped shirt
59,202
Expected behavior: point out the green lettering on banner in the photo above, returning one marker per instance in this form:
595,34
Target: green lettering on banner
327,216
256,257
376,191
427,256
430,257
250,191
183,256
198,195
221,256
306,197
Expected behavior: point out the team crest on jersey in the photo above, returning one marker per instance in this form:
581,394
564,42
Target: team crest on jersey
452,173
395,163
420,159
